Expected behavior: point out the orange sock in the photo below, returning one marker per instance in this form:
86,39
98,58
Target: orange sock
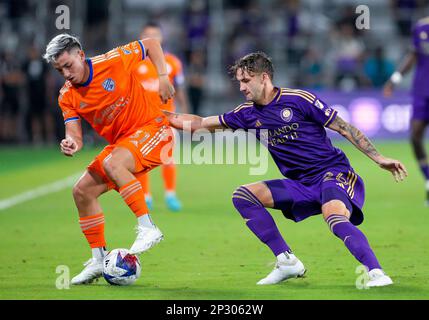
144,180
169,175
133,195
93,229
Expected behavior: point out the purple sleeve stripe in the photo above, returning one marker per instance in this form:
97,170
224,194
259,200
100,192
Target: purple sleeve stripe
143,49
71,119
331,118
222,122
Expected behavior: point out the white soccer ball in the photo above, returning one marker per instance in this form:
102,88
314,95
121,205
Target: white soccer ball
121,268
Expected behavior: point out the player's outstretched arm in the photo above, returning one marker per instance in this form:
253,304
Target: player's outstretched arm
356,137
191,122
396,77
73,141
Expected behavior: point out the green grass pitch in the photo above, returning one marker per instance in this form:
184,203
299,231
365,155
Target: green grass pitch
208,252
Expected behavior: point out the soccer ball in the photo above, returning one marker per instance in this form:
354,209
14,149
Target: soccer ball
121,268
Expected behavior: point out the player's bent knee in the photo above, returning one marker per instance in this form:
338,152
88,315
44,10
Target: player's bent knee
335,207
252,195
80,193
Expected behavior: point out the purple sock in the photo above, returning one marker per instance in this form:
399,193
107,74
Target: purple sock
259,220
425,170
354,240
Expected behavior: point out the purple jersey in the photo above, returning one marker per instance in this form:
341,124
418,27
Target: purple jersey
421,48
292,126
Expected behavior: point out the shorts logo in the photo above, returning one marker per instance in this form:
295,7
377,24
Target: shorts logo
286,114
109,84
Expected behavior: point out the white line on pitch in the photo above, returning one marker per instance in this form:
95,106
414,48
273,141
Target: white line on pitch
39,191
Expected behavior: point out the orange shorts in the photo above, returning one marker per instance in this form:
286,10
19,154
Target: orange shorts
150,146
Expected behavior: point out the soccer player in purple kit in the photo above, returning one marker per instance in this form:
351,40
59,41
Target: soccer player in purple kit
319,178
419,55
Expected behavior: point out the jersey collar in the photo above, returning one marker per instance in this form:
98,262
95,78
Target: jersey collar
87,82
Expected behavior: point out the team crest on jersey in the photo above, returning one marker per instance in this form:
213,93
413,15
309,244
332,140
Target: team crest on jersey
125,51
109,84
423,35
286,114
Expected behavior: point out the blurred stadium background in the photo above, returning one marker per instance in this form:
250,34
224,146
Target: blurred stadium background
314,45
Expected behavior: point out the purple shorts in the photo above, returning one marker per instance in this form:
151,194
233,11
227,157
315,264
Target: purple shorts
420,108
299,201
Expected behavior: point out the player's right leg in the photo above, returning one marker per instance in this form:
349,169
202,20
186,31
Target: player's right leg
417,141
251,201
132,157
91,219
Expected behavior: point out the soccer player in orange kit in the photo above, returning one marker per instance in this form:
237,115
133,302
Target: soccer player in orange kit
146,73
103,91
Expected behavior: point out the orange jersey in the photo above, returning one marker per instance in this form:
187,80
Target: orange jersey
112,100
148,77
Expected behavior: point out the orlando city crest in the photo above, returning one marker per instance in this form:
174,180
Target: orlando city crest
286,114
109,84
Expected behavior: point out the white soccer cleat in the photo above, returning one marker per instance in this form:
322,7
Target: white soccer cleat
93,270
146,239
292,268
377,278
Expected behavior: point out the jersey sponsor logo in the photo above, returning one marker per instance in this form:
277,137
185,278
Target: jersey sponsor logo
109,84
82,105
286,114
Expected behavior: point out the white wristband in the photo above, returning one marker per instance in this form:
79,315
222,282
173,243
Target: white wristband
396,77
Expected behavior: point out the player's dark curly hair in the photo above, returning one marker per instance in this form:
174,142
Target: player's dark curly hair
256,62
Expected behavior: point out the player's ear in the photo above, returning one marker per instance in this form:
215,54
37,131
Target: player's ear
81,54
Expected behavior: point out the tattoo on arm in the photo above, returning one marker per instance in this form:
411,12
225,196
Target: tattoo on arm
355,136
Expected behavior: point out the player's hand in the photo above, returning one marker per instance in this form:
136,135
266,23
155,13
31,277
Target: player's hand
388,89
166,89
68,147
395,167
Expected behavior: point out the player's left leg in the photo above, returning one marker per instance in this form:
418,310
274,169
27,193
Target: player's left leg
169,176
337,214
251,201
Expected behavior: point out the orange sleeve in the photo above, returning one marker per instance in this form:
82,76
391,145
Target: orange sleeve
177,74
131,54
69,112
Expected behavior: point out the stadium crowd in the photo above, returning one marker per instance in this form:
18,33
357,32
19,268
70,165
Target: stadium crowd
315,44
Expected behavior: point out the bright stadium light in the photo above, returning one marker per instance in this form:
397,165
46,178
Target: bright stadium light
396,118
365,114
